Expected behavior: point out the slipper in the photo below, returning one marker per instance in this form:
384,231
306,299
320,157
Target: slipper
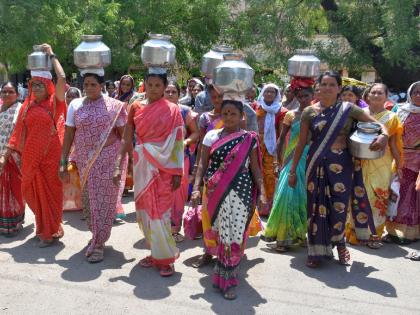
96,256
146,262
311,263
278,248
414,256
178,237
46,243
387,239
167,271
230,294
202,261
374,244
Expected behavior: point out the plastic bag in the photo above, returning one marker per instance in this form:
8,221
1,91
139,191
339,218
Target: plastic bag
394,198
192,223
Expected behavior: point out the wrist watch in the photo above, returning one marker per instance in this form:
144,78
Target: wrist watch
52,56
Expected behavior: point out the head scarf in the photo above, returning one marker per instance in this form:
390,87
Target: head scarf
409,107
41,74
72,88
270,117
123,96
197,81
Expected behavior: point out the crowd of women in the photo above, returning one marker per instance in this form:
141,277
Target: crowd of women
285,157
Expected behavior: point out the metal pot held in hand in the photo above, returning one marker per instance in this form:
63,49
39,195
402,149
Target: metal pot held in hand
362,138
39,60
233,75
214,58
92,53
158,51
304,64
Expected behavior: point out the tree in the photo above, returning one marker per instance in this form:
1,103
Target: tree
125,25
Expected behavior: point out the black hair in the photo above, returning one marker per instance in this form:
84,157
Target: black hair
308,89
14,86
74,90
100,79
108,83
163,77
332,74
176,85
351,88
237,104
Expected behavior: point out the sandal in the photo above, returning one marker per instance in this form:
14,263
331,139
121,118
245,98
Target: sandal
374,244
343,255
46,243
202,261
230,294
167,270
278,248
387,239
96,256
312,263
414,256
146,262
178,237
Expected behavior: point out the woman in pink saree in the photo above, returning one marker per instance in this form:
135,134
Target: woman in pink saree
95,124
158,169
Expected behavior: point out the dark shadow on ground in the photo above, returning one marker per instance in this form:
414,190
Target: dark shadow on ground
389,251
248,297
75,220
78,269
148,284
23,234
30,253
337,276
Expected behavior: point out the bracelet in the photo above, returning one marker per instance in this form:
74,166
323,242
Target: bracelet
195,191
63,162
292,174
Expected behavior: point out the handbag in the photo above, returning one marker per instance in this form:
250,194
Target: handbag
72,194
192,222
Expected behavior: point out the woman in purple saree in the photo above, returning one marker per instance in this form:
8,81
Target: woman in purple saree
231,169
333,178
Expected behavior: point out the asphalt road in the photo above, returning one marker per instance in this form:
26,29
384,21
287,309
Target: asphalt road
59,280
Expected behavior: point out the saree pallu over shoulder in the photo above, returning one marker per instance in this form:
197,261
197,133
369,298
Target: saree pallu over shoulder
331,179
160,148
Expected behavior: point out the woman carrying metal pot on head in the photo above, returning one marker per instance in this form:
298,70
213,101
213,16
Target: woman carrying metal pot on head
331,175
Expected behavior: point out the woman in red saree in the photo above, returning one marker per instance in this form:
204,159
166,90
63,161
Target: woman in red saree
38,137
12,207
231,170
158,169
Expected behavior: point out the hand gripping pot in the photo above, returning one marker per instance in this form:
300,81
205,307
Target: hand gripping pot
92,53
233,75
213,58
362,138
158,51
39,60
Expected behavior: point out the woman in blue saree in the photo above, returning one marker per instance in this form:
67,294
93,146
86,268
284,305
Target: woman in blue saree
333,177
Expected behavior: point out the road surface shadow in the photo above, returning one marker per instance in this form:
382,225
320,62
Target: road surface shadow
248,297
23,234
389,251
29,252
75,220
148,284
337,276
78,269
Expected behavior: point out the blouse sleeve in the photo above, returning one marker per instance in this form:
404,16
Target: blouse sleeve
71,111
308,114
288,119
211,137
356,112
203,121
